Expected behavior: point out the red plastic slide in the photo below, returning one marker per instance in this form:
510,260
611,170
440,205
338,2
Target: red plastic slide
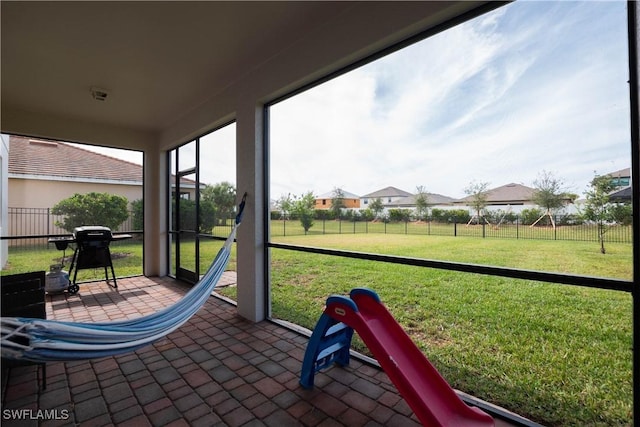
430,397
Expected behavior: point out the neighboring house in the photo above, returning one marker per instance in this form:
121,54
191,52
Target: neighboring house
433,200
350,200
41,173
621,196
390,197
394,198
621,178
511,197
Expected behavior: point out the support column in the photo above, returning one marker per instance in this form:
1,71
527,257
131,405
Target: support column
251,239
155,212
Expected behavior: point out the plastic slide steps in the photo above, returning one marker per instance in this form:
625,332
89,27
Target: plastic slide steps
428,394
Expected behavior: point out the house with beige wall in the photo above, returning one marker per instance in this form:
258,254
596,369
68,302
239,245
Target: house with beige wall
41,173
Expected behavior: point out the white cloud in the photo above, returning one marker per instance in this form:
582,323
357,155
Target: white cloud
499,99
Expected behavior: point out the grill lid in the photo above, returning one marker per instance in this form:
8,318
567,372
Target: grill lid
92,232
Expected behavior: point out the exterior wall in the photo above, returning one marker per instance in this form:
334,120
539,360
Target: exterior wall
518,208
44,194
387,201
324,204
35,193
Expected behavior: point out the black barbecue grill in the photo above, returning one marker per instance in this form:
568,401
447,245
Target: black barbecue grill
92,251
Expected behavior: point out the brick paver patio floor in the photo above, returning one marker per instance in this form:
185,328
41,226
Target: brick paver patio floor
217,370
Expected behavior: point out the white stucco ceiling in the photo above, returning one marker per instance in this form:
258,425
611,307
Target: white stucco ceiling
161,61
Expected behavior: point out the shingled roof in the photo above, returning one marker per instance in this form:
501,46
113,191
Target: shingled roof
510,193
332,194
432,199
388,192
58,159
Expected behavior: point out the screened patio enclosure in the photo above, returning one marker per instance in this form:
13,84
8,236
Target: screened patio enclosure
153,76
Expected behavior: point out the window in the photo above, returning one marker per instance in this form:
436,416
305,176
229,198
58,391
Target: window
526,90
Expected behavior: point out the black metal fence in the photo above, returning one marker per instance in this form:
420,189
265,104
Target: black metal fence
32,226
587,232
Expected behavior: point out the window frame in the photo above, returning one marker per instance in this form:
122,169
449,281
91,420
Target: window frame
628,286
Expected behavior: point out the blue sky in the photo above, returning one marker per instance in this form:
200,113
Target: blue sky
529,87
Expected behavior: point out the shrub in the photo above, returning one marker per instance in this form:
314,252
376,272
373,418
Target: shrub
108,210
367,215
137,213
453,215
529,216
399,215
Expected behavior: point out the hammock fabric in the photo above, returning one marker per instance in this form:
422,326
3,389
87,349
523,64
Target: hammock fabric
49,340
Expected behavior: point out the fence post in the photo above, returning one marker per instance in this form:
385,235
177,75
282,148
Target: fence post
455,229
483,232
555,228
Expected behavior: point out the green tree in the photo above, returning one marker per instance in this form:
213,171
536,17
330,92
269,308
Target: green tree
598,207
337,202
622,213
422,203
477,192
303,207
108,210
220,199
549,194
285,205
187,215
138,214
376,207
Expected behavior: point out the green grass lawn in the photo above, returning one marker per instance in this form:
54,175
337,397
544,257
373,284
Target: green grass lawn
582,232
126,257
560,355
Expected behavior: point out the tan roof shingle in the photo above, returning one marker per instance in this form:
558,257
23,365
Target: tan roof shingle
51,158
509,193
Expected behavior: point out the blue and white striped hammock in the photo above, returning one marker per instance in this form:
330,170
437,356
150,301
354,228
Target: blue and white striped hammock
50,340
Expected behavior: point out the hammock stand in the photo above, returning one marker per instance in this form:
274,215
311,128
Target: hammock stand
50,340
